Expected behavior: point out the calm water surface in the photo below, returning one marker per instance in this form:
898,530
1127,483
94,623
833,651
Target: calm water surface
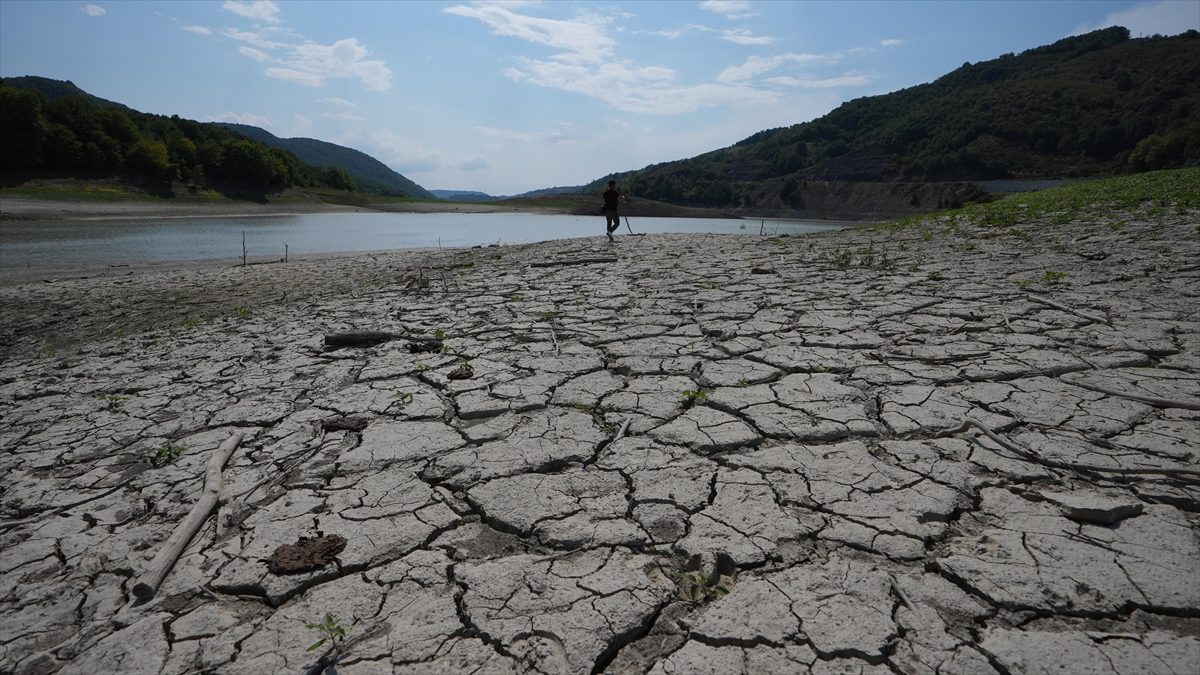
115,242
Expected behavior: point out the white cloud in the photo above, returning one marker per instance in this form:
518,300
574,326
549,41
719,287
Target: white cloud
566,132
253,53
343,59
313,64
583,39
199,30
853,78
731,9
297,76
339,102
93,10
587,66
406,156
757,65
649,90
891,42
241,118
300,124
348,117
742,36
259,10
1165,17
252,38
476,163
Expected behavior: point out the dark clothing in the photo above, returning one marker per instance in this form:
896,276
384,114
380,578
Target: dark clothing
612,199
612,221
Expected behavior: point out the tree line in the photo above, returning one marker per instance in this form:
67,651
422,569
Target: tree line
79,135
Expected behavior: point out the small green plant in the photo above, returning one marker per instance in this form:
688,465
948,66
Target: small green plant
695,395
167,454
699,587
332,630
47,352
546,314
111,400
439,334
707,283
189,322
405,397
1052,276
242,312
935,276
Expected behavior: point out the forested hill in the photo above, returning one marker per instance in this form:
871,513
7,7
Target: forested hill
369,174
1089,105
54,128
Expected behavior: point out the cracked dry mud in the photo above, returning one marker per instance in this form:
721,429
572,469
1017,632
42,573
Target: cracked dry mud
772,412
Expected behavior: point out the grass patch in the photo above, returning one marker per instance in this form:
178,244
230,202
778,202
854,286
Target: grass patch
1161,190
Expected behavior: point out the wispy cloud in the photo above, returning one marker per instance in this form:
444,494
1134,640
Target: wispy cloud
200,30
339,102
732,9
1165,17
758,65
587,65
891,42
566,132
241,118
344,116
259,10
582,39
475,163
313,64
407,156
93,10
297,76
743,36
253,53
853,78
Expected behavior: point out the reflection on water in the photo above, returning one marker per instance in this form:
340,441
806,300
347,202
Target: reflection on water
113,242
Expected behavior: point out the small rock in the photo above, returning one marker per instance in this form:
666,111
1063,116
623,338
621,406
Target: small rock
1095,507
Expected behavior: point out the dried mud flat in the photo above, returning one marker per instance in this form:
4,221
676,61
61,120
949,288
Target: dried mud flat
715,454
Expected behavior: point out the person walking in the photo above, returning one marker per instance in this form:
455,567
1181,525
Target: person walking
612,201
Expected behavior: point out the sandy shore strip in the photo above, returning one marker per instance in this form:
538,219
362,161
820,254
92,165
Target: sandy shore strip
951,449
13,208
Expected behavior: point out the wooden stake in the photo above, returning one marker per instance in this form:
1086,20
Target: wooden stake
243,248
149,582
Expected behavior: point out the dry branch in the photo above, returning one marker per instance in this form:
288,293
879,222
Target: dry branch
1058,305
149,582
573,261
1150,400
367,338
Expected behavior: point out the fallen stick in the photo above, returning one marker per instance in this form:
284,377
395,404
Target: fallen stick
1058,305
575,261
149,582
1150,400
370,337
1034,457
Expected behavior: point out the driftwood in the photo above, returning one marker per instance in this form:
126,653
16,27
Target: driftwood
1150,400
1184,475
367,338
1058,305
573,261
149,582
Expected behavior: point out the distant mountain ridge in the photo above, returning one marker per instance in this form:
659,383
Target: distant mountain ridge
369,174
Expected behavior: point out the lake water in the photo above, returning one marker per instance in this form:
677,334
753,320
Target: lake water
115,242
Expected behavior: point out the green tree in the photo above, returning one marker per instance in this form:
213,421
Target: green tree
23,129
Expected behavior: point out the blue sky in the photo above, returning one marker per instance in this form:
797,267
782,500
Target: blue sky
505,97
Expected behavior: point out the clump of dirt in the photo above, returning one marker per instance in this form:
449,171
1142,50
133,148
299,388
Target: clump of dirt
308,554
425,347
344,424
